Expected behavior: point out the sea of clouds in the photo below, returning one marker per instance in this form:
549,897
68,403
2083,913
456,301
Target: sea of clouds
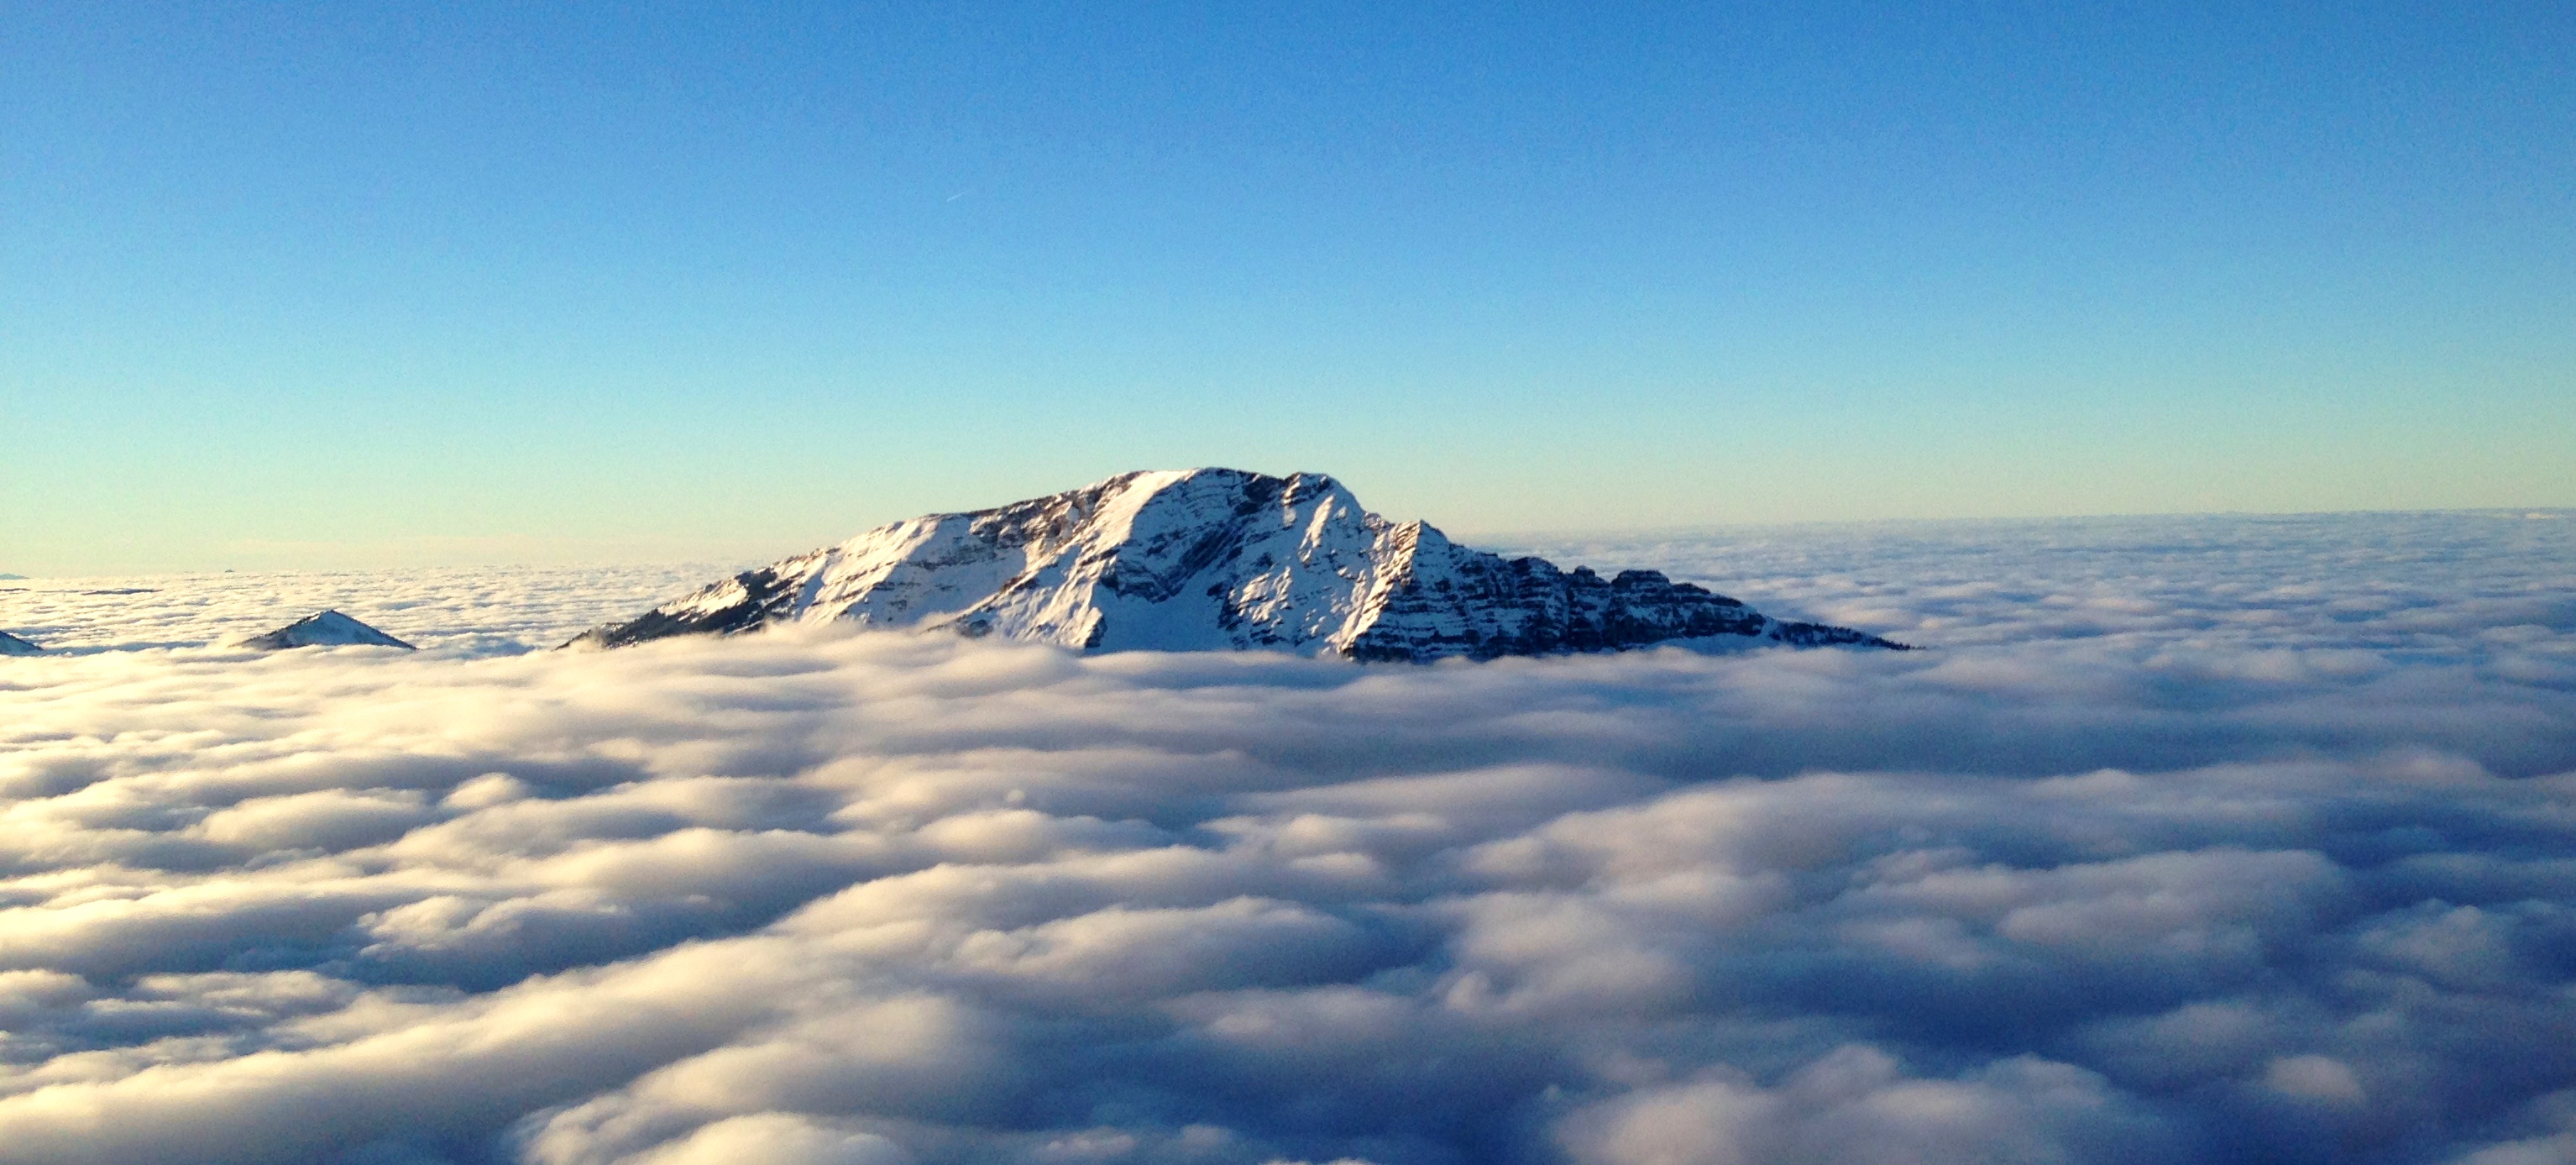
2214,839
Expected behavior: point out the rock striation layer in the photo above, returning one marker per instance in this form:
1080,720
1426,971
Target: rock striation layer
1215,559
325,629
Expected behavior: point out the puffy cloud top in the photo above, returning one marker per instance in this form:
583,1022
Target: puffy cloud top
2220,839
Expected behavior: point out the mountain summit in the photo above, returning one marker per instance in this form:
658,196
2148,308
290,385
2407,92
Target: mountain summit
1215,559
324,629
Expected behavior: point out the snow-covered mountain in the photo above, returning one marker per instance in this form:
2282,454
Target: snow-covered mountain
324,629
1215,559
12,645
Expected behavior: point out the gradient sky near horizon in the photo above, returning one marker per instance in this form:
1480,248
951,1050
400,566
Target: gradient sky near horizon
322,285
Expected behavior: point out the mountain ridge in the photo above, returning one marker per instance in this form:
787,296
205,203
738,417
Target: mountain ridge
1214,559
323,629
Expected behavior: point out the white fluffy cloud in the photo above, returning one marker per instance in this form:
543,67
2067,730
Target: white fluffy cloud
2221,840
458,611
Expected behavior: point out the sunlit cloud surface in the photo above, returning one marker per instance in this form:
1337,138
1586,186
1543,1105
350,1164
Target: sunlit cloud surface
2223,839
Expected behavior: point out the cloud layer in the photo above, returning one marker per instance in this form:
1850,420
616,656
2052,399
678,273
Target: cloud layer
2232,840
458,611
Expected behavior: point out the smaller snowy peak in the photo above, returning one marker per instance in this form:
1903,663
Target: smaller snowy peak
326,629
12,645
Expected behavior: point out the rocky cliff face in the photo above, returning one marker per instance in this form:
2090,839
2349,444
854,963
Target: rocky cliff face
1208,559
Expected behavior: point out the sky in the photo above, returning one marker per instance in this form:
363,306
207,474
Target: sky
2207,839
314,286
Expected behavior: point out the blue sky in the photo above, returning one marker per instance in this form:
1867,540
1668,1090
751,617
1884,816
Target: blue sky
323,286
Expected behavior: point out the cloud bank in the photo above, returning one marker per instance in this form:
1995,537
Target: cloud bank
459,611
2244,840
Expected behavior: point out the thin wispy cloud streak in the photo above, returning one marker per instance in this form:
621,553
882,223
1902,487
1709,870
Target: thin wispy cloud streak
2215,839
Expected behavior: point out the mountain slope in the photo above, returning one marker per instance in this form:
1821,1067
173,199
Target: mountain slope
12,645
1213,559
324,629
